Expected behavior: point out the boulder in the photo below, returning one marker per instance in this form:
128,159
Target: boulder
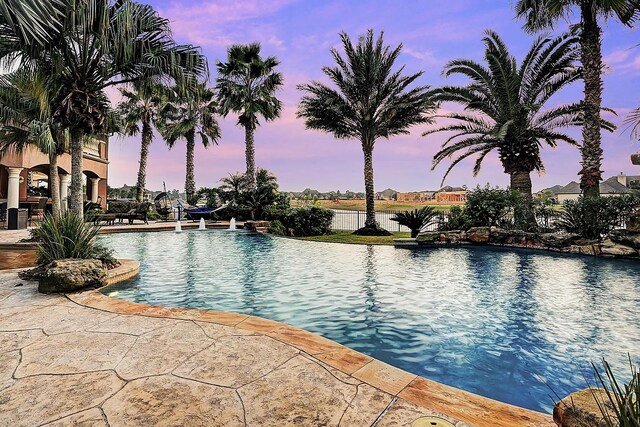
508,237
69,275
478,234
556,240
626,238
428,237
613,249
580,409
633,224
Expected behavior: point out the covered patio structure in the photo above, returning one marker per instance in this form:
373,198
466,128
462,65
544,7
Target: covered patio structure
24,177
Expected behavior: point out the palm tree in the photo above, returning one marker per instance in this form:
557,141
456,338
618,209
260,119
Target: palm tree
371,101
138,113
247,85
91,45
25,120
504,107
186,114
541,14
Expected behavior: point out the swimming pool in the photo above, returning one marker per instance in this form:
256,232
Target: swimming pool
512,325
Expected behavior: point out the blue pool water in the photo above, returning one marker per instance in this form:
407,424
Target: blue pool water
506,324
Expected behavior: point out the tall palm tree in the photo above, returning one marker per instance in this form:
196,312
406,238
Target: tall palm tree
541,14
25,120
246,85
371,101
504,107
186,114
138,112
92,45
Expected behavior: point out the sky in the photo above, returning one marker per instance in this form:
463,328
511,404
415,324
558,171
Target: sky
300,33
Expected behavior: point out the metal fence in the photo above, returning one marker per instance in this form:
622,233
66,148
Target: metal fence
349,220
353,220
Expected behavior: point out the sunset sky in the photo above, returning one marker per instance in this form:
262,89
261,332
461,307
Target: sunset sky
301,32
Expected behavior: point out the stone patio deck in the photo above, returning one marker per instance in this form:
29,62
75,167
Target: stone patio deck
87,359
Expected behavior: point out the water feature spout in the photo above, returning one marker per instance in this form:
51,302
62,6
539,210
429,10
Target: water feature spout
201,226
178,226
232,224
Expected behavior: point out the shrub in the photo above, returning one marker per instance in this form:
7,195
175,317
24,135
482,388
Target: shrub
596,217
455,220
309,221
304,221
68,236
490,206
417,219
276,227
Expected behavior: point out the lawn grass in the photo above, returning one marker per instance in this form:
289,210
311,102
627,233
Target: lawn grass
349,237
380,205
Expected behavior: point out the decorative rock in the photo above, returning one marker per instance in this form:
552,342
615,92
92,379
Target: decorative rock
69,275
479,234
610,248
580,409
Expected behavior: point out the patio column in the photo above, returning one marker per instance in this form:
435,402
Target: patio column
13,191
94,189
65,180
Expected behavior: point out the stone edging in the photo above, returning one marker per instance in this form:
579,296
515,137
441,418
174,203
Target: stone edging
473,409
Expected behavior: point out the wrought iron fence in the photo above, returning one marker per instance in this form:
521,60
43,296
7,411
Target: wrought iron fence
351,220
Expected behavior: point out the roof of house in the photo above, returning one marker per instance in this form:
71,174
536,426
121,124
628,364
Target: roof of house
555,189
610,186
448,188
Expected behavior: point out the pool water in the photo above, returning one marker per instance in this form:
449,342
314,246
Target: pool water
513,325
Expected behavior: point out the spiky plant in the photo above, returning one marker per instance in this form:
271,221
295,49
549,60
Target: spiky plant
68,236
622,400
417,219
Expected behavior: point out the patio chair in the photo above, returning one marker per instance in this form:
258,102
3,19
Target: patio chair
38,213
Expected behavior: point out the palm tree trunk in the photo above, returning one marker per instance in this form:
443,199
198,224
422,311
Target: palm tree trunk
147,135
190,182
591,57
250,155
521,182
524,216
54,184
76,199
370,219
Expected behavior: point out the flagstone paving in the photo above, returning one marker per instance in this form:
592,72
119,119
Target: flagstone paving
85,360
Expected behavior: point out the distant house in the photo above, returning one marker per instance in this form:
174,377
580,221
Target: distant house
449,195
415,196
388,194
615,186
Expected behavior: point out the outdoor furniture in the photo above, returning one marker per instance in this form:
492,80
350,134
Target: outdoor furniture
163,205
129,210
37,213
109,219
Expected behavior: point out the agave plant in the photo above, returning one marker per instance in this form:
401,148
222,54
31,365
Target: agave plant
621,400
417,220
68,236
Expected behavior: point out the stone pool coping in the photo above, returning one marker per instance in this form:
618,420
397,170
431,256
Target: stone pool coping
464,406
